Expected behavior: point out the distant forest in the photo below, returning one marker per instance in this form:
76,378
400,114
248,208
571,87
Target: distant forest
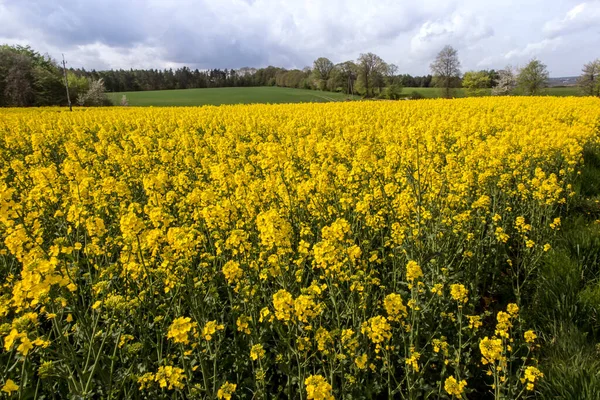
185,78
28,78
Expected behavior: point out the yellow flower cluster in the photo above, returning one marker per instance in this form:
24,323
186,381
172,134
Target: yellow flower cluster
9,387
323,240
530,376
413,271
394,306
453,387
459,293
180,329
210,328
257,352
317,388
226,391
168,377
491,350
377,329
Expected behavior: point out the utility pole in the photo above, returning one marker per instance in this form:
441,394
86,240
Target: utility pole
64,63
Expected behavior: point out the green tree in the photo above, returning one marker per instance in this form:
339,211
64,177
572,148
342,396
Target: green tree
446,70
78,85
28,78
476,83
589,81
533,78
322,68
370,68
347,73
18,87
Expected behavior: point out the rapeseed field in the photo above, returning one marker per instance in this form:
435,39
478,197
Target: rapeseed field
311,251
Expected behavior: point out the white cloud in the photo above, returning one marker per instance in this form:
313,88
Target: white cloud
534,49
581,17
460,29
542,49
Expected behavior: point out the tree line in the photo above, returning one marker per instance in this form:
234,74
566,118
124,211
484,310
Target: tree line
318,77
531,80
28,78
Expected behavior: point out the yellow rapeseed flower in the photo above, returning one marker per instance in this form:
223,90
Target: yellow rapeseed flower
9,387
257,352
413,271
226,390
459,293
453,387
180,329
317,388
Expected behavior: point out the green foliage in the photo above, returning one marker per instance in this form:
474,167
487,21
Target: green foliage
589,81
393,91
589,298
216,96
590,174
28,78
571,365
48,86
371,70
78,85
476,83
556,295
415,95
345,74
533,78
567,300
322,68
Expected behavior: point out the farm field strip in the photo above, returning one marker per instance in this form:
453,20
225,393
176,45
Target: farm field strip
266,94
218,96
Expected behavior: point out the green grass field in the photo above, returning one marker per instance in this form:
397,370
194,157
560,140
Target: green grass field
216,96
435,92
266,94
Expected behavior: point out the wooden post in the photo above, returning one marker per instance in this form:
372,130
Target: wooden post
64,63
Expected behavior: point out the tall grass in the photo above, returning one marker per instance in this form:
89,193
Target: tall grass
567,300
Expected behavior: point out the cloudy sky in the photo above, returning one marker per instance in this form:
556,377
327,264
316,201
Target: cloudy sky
104,34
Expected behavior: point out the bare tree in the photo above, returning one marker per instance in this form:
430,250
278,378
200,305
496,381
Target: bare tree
533,78
246,71
589,81
369,65
391,72
446,70
348,72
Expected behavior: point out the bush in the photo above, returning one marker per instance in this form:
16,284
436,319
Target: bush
95,95
393,92
414,95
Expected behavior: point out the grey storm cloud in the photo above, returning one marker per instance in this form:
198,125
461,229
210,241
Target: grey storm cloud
292,33
111,22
